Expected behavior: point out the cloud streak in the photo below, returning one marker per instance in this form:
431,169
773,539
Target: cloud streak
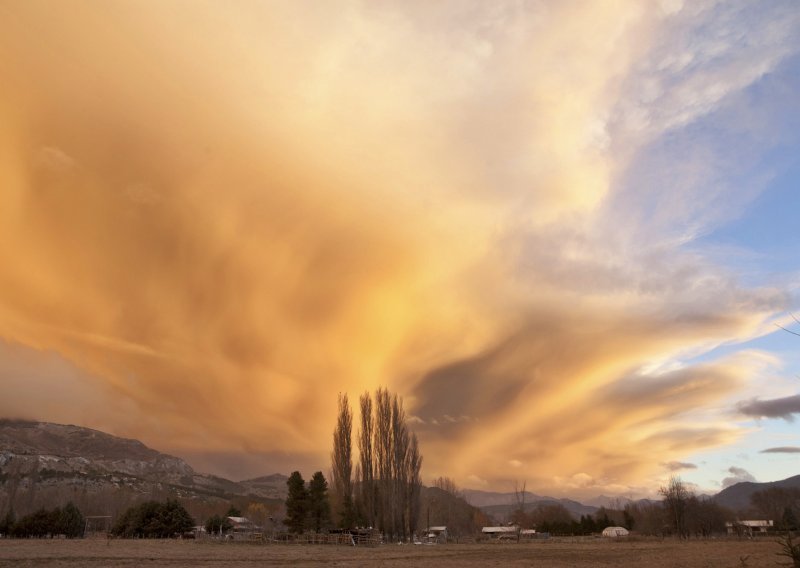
785,407
782,450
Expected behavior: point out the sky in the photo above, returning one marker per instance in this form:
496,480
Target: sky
564,232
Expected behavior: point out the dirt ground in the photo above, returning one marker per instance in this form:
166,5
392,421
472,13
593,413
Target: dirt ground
555,553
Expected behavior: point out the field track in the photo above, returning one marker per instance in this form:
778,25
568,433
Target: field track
556,553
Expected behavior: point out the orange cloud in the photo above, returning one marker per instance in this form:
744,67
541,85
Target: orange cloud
224,217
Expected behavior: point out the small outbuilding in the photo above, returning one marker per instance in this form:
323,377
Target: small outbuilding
613,532
502,533
749,527
435,535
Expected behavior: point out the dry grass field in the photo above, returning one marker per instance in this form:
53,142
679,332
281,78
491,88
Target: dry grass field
555,553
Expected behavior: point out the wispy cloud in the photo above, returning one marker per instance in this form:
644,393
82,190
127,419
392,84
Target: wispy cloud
782,450
677,466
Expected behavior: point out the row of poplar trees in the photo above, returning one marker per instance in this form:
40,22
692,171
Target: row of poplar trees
384,490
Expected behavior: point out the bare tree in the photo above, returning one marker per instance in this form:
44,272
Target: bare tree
342,463
367,461
447,484
414,483
390,462
676,496
383,458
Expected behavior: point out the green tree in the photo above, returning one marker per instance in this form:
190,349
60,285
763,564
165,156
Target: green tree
789,519
296,503
628,520
175,518
216,524
233,512
153,520
8,522
602,520
319,506
71,521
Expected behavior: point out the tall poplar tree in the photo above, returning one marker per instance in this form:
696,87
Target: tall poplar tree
342,464
388,476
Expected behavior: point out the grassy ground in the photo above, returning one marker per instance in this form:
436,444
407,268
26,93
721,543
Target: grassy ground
556,553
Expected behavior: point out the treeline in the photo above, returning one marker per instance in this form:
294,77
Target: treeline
554,518
780,504
67,521
444,504
153,520
383,490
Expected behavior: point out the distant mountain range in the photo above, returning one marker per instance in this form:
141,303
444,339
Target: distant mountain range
43,463
501,505
737,497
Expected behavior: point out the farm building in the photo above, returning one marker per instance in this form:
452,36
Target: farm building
242,527
614,532
501,533
435,535
748,527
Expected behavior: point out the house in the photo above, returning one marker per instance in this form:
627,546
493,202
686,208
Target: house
748,527
242,527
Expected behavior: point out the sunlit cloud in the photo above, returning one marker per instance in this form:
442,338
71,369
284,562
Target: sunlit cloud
213,222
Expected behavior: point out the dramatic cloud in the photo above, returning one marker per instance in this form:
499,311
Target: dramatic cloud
214,220
784,408
782,450
737,476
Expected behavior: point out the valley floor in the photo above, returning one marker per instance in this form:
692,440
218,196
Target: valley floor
555,553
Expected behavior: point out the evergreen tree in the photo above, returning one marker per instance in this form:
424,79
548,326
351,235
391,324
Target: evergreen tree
296,503
215,523
153,520
71,522
789,519
8,522
318,505
175,518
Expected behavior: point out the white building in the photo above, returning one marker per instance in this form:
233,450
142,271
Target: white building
614,532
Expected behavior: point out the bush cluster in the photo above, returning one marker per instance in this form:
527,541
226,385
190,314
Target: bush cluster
43,523
153,520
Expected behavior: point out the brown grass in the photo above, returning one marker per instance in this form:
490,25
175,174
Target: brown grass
555,553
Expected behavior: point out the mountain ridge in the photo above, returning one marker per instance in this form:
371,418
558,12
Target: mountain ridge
42,462
53,458
737,496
